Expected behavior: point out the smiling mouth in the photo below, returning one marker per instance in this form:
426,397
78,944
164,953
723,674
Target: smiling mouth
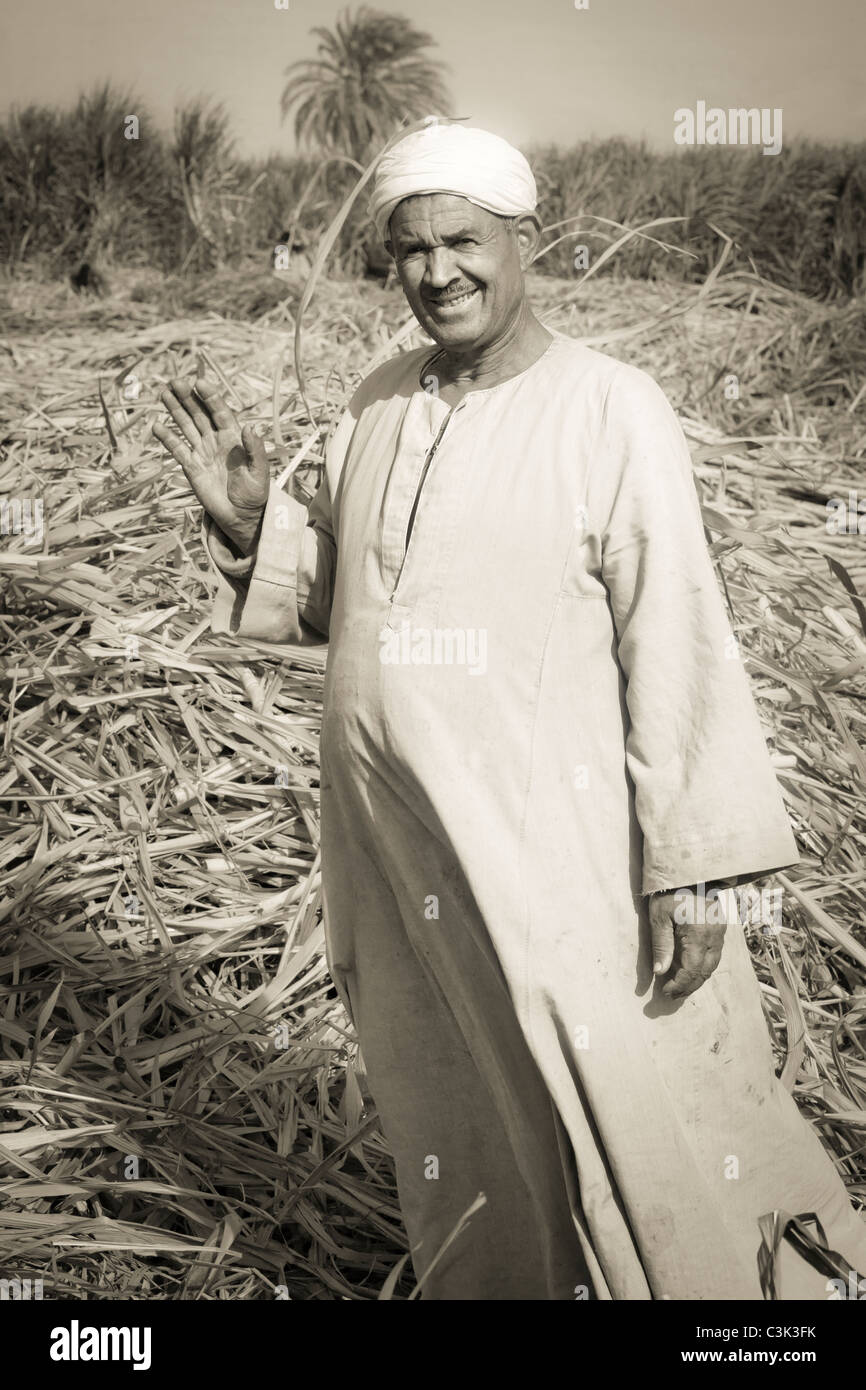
455,302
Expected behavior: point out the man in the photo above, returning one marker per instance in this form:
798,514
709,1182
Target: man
535,732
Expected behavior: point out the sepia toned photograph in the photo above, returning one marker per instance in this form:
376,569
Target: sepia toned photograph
433,610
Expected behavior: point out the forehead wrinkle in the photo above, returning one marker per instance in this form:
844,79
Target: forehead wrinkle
476,222
414,236
425,206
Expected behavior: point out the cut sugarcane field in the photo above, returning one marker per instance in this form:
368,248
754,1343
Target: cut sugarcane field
184,1112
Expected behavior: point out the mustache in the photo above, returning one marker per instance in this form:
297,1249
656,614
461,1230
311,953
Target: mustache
452,294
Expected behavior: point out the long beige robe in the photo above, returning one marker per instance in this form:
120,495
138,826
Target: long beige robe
533,717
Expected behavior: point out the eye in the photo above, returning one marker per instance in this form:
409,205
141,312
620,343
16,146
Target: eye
465,241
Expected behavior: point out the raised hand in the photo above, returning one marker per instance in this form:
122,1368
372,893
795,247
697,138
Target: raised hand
226,466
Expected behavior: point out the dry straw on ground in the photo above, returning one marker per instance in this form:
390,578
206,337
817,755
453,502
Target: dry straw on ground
183,1106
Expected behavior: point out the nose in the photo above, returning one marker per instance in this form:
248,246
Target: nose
441,268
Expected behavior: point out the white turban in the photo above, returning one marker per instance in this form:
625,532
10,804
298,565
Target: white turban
444,158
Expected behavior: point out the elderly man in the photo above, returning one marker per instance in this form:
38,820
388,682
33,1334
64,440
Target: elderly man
537,744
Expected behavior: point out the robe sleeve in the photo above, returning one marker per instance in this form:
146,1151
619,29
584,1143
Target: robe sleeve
283,592
706,797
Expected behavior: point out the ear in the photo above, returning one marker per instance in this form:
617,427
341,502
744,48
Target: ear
528,230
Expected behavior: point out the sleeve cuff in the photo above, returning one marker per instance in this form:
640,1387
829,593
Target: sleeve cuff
681,866
256,596
221,552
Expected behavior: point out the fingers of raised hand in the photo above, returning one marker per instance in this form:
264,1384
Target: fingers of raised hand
190,402
177,409
254,448
208,392
179,451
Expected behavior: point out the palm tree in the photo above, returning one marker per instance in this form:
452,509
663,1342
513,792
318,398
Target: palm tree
370,74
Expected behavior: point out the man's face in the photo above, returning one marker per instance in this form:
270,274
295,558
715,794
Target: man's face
460,267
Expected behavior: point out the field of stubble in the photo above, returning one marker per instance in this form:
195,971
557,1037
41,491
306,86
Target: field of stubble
183,1111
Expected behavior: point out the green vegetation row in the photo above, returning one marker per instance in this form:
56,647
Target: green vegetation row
75,187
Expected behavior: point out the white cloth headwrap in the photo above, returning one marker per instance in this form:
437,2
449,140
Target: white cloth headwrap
457,159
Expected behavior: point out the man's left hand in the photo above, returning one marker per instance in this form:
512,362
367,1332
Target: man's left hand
693,947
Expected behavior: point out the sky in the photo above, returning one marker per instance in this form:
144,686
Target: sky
532,70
